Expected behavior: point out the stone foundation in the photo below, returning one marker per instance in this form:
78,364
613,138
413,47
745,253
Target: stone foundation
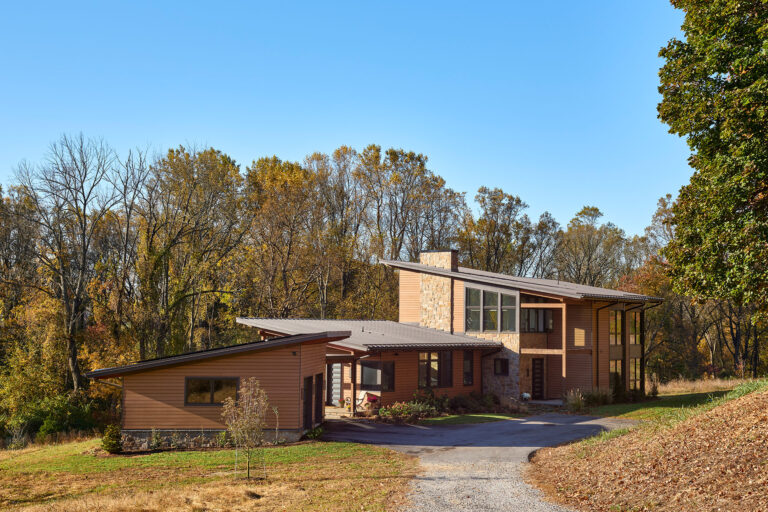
143,440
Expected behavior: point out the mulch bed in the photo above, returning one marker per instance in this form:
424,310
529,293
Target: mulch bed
717,460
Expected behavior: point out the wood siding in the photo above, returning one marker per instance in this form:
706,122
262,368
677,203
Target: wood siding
458,306
410,297
155,398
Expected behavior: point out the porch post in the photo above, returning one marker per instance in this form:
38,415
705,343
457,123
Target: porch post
563,344
353,373
642,349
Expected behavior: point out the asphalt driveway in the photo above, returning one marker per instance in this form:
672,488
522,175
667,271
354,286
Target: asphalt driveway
474,467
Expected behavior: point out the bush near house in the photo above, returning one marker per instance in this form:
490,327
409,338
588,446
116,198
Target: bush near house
426,405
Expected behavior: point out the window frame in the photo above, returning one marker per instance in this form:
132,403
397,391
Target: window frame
471,373
370,365
499,308
210,379
504,370
440,371
544,312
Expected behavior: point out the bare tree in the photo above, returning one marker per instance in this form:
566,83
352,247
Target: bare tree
69,195
246,419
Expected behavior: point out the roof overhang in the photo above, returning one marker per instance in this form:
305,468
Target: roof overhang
141,366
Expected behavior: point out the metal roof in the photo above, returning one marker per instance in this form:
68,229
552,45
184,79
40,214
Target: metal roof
549,286
373,335
149,364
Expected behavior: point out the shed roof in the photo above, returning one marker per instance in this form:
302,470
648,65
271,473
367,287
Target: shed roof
549,286
373,335
150,364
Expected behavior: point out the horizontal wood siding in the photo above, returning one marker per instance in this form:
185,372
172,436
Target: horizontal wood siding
312,363
458,306
579,336
410,296
155,398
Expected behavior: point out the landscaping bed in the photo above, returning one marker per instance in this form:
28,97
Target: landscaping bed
79,476
710,456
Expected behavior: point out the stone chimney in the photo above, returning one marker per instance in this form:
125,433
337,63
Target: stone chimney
448,260
436,292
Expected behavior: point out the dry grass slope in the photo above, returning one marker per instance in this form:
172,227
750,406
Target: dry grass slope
716,460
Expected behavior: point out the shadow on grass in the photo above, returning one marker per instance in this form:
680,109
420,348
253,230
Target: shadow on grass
654,408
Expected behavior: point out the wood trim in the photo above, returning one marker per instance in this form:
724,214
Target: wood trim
542,305
542,351
586,351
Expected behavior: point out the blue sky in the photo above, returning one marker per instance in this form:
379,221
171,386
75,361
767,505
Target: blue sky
551,101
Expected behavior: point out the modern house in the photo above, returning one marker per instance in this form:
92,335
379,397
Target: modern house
460,330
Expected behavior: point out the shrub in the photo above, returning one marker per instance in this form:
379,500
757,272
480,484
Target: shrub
315,433
221,439
60,413
574,400
112,440
155,440
654,385
407,412
427,396
596,397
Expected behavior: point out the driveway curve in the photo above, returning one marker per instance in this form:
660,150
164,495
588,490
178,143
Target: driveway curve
475,467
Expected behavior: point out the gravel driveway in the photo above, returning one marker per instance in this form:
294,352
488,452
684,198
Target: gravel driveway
474,467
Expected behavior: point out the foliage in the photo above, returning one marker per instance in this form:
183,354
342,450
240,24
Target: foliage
407,412
315,433
574,400
246,418
596,397
112,439
58,413
714,85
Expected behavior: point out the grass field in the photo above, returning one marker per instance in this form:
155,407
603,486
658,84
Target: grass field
466,419
309,476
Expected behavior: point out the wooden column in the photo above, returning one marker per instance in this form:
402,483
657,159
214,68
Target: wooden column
564,343
642,349
353,374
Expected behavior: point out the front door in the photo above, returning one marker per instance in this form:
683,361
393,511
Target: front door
537,378
307,403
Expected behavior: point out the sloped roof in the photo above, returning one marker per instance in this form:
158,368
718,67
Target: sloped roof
150,364
372,335
550,286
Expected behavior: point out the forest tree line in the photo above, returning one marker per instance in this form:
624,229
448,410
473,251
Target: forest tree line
106,259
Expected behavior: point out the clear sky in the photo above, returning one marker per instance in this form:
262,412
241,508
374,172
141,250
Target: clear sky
552,101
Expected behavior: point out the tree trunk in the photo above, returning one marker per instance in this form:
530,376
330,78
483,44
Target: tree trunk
74,368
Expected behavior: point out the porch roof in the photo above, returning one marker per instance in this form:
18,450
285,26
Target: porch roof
372,335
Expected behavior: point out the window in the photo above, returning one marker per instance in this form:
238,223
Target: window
490,311
469,368
614,327
435,369
615,368
209,390
634,373
377,375
536,320
500,366
633,327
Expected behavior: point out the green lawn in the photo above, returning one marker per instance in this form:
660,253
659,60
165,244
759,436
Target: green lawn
651,410
307,476
465,419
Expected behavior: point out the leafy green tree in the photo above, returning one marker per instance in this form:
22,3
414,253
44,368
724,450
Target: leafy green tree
714,85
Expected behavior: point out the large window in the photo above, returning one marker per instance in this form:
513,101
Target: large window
536,320
469,368
633,327
209,390
436,369
614,327
634,373
490,311
377,375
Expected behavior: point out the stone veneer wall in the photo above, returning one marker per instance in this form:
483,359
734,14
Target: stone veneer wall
143,440
437,291
436,295
506,387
